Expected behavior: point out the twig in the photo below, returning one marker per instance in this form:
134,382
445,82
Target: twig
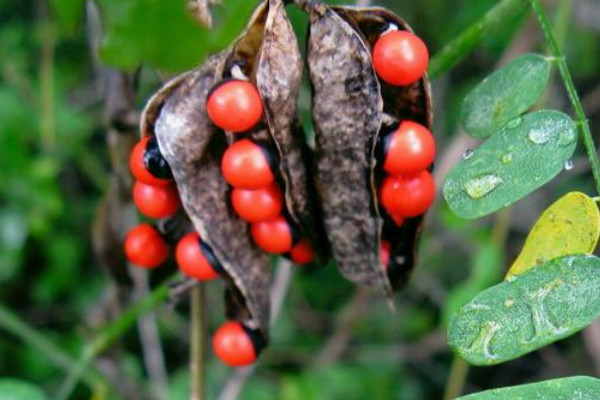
20,329
197,347
346,322
582,122
109,334
152,350
234,385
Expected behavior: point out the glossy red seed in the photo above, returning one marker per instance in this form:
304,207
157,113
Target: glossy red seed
138,168
233,346
302,253
191,260
235,106
245,166
408,196
410,149
400,58
145,247
258,205
273,236
156,201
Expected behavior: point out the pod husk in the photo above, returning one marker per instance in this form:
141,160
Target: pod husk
267,53
350,108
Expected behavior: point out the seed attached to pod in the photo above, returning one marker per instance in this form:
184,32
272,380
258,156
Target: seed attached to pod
302,253
235,106
258,205
156,201
408,195
400,58
398,220
245,165
409,149
192,260
145,247
384,255
236,345
273,236
148,165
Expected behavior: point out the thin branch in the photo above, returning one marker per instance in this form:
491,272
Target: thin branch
234,385
197,347
464,43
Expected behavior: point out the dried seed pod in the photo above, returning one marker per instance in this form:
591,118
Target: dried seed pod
351,106
268,56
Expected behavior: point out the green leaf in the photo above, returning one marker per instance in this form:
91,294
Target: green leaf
524,155
68,12
505,94
539,307
487,270
572,388
164,33
13,389
569,226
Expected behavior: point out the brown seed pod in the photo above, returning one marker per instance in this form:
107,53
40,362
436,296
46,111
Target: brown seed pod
268,56
351,106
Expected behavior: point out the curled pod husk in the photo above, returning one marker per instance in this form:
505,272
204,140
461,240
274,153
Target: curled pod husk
351,106
193,148
267,54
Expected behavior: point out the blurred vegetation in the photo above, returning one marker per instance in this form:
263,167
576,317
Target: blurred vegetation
54,169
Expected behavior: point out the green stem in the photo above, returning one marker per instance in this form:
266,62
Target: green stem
109,334
19,328
457,378
584,127
198,327
462,45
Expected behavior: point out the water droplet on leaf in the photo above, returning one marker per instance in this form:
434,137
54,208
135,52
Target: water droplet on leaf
506,158
468,154
482,185
569,164
567,136
539,136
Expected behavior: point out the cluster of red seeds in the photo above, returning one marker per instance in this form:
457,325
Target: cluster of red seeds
155,196
400,58
235,106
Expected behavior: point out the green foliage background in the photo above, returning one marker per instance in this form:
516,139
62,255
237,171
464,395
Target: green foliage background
54,169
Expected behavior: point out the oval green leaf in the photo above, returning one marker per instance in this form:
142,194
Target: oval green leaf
539,307
572,388
14,389
506,94
523,156
569,226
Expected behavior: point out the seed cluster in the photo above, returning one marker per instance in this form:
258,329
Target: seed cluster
229,135
248,166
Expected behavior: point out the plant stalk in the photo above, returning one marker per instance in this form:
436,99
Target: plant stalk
565,74
464,43
197,348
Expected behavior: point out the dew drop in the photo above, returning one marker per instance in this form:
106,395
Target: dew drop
514,123
569,164
567,136
468,154
482,185
539,136
506,158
